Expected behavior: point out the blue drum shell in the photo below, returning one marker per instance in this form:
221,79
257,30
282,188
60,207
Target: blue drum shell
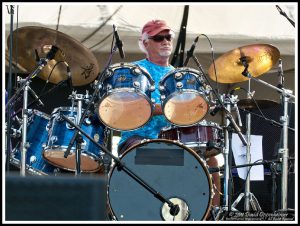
36,138
189,78
122,76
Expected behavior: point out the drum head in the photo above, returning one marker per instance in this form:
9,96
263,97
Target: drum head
125,110
171,169
185,108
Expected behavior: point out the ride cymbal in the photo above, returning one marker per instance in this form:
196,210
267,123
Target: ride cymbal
229,67
33,43
249,104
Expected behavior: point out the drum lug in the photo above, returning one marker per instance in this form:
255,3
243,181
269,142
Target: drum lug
151,88
136,85
179,86
161,88
32,159
87,121
178,76
68,126
137,71
108,87
162,97
83,145
53,139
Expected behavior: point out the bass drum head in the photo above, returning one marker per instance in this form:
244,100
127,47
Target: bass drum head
171,169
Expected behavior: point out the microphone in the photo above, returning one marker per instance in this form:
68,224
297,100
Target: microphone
280,75
189,53
69,80
215,110
238,114
51,54
119,43
33,95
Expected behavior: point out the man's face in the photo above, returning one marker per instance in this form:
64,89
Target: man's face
160,45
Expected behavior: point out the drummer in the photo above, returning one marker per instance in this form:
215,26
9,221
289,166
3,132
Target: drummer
156,41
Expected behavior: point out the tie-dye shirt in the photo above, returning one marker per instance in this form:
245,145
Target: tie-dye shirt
152,128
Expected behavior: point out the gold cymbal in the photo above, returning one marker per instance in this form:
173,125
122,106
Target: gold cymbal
250,104
34,42
229,66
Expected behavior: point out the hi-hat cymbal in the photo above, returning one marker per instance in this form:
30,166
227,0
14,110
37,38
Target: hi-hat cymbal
229,67
31,43
249,104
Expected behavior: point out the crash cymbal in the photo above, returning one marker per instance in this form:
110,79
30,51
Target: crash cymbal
33,43
229,67
249,104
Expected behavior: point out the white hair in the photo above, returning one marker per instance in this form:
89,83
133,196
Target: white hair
145,37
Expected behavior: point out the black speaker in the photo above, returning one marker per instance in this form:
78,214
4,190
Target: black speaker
66,198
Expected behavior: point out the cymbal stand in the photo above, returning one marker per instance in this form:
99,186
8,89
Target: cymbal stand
249,197
287,95
79,140
228,101
24,144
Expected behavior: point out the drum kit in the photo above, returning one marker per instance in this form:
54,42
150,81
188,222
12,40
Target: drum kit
124,90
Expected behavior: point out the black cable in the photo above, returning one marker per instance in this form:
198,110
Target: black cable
213,61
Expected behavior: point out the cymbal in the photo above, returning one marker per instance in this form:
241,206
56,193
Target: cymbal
249,104
32,43
229,66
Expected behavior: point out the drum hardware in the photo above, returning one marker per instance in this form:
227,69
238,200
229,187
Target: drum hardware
286,95
53,150
24,86
206,138
35,164
122,167
229,118
184,98
60,84
126,90
250,199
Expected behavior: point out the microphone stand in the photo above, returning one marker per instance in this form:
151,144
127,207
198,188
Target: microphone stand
97,87
8,142
34,101
229,117
284,151
174,209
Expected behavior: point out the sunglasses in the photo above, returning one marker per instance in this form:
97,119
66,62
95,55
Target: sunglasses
160,38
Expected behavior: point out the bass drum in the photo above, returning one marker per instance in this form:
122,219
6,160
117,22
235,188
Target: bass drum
171,169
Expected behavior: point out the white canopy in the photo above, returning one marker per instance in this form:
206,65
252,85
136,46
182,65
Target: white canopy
228,26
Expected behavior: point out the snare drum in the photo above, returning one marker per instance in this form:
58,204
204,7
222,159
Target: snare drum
206,138
60,135
36,138
184,96
171,169
125,98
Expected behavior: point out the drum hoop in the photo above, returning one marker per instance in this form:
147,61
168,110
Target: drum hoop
41,114
65,108
203,123
185,125
119,90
